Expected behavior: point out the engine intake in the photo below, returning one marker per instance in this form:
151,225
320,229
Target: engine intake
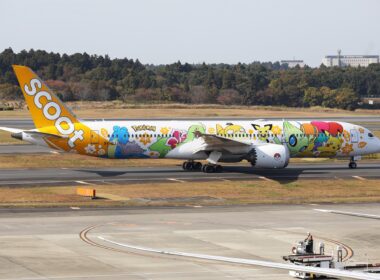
268,156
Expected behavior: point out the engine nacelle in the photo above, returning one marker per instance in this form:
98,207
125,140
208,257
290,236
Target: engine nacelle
269,156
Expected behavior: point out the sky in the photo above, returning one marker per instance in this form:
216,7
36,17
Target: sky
194,31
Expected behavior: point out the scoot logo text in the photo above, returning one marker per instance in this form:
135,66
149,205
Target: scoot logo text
56,116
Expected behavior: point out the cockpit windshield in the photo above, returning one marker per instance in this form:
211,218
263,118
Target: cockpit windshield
370,134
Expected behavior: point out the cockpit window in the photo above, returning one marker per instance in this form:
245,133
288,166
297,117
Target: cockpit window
370,134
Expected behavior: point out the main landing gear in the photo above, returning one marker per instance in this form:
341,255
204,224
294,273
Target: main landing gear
197,166
352,163
212,168
192,165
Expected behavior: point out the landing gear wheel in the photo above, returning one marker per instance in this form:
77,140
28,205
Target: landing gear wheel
352,163
197,166
218,168
187,165
211,168
208,168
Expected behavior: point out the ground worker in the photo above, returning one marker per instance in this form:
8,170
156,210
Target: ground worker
309,244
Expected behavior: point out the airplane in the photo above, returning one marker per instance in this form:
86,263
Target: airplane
263,143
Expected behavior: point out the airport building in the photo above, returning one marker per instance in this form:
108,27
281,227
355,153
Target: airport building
293,63
349,60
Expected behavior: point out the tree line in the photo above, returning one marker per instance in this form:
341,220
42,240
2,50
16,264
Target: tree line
92,77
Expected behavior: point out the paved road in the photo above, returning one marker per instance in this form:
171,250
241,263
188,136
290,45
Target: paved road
24,149
28,123
96,176
46,244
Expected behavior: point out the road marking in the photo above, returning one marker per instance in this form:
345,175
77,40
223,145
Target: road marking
84,183
176,180
359,178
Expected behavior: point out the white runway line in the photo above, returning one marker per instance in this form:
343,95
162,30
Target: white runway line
176,180
359,178
266,179
362,215
84,183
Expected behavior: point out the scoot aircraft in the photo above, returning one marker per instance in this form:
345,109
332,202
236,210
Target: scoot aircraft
265,144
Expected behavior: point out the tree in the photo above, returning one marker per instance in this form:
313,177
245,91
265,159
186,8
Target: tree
346,98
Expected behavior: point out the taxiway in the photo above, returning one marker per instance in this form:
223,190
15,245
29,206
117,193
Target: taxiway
128,175
47,244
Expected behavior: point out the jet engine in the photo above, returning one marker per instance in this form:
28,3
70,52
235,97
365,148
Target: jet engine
268,156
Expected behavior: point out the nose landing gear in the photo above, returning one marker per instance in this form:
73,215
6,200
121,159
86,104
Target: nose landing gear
352,163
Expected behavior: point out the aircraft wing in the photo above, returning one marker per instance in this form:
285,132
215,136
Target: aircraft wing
216,140
284,266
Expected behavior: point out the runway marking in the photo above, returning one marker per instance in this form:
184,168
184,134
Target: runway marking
359,178
109,183
84,183
176,180
75,208
361,215
266,179
225,180
240,261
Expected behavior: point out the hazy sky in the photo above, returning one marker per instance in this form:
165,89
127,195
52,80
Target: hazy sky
165,31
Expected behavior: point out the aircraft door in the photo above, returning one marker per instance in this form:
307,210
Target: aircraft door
354,136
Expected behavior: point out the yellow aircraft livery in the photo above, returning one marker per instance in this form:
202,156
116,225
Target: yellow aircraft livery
265,144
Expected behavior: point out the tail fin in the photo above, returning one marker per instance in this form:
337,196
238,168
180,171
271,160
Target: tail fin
45,107
50,116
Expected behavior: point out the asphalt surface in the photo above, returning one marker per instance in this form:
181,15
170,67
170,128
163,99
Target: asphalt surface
133,175
47,244
25,149
28,123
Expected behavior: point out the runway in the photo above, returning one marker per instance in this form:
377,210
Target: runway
46,244
133,175
24,149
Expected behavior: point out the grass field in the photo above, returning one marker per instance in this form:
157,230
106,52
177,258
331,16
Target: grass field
122,110
181,194
6,139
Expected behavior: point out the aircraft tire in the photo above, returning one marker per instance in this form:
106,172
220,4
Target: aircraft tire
208,168
197,165
352,165
187,165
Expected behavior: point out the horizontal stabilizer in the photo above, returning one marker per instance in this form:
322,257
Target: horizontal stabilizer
10,129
